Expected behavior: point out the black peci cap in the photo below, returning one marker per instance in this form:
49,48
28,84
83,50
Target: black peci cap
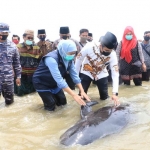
41,31
64,30
109,40
90,34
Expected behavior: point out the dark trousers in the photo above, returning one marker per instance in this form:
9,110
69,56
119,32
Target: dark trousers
94,82
50,100
137,81
7,90
146,75
70,82
26,86
110,78
102,85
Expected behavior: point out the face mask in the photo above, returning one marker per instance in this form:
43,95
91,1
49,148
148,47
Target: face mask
146,38
28,42
83,39
129,37
4,37
105,53
69,57
65,37
15,41
42,38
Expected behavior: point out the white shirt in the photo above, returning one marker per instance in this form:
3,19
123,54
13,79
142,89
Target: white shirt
93,64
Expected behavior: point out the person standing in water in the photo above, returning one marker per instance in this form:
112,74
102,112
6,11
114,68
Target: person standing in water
130,57
146,52
9,64
94,58
30,56
49,81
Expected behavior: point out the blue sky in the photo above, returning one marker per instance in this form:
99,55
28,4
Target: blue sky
99,16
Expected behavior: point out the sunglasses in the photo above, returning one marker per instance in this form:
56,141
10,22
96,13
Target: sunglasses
30,38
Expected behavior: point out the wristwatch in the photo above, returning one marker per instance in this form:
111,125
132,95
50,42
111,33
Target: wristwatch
115,94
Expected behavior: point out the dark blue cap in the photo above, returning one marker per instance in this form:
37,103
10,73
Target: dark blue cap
4,27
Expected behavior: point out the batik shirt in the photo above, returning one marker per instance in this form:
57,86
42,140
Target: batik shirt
46,48
29,58
9,61
93,64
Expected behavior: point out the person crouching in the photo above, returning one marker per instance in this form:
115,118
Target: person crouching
48,79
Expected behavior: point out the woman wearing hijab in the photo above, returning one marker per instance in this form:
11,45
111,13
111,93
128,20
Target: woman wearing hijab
49,81
130,57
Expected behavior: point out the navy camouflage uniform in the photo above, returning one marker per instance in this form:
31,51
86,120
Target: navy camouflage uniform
9,64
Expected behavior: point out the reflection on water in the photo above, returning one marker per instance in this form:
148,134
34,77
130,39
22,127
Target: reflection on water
25,125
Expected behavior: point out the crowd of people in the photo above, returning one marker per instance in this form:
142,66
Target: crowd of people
52,67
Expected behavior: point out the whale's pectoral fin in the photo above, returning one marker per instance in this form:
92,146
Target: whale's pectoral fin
85,110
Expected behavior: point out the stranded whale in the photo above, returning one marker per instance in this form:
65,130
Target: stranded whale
96,124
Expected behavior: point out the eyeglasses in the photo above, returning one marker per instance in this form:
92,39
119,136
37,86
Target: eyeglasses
30,38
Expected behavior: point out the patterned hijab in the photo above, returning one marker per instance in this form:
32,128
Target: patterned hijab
127,45
64,47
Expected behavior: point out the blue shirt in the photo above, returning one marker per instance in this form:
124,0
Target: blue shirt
61,83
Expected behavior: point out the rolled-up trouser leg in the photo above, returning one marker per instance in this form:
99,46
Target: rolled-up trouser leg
60,98
102,85
85,81
8,91
48,100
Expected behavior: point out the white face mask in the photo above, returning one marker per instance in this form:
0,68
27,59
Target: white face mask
28,42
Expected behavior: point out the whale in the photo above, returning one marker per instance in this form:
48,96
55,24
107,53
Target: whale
94,125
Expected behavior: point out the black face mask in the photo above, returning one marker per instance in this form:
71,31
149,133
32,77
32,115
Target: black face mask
105,53
4,37
42,38
146,38
65,37
89,40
